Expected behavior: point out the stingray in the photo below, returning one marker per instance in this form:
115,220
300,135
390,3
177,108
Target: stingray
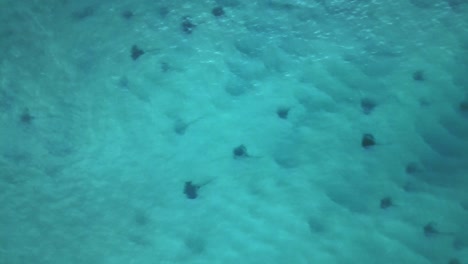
136,52
368,140
187,25
430,230
386,202
191,189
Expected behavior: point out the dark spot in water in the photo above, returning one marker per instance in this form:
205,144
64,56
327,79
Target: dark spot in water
136,52
367,105
84,13
165,67
424,102
195,245
316,226
187,25
180,127
123,82
430,230
367,141
26,117
412,168
127,14
463,107
456,4
386,202
419,76
454,261
283,112
141,218
217,11
163,11
240,152
191,190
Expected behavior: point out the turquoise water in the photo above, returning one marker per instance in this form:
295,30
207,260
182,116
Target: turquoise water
229,131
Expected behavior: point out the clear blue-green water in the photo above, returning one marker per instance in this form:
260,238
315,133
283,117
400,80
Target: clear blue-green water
229,131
